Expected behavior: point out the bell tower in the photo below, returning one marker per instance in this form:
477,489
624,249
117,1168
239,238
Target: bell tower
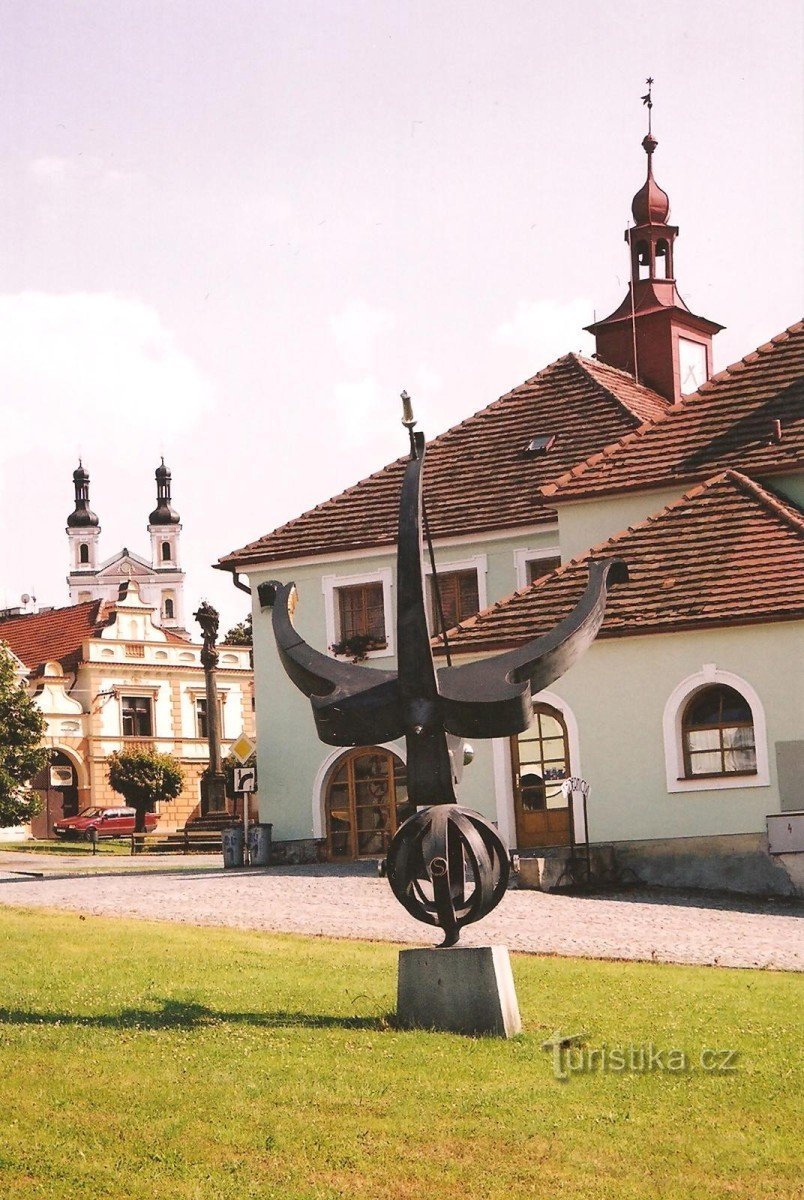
164,527
653,335
83,533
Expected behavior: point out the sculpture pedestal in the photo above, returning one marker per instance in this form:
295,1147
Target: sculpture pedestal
463,989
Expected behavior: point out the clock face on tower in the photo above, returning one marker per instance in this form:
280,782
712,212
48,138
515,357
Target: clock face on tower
691,365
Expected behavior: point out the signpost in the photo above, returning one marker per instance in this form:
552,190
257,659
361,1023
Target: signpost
245,781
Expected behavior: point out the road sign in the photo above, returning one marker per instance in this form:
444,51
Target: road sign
243,748
245,779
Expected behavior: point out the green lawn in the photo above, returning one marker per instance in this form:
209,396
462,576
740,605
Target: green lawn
145,1060
56,846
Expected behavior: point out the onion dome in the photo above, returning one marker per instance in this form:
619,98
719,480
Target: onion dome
164,513
650,206
82,516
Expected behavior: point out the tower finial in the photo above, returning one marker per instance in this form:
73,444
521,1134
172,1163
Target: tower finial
647,100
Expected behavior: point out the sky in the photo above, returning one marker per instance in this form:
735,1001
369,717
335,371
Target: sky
231,234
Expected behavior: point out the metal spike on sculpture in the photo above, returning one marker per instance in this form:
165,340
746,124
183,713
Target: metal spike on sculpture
447,865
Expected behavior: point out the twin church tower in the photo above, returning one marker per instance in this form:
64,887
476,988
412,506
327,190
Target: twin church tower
160,581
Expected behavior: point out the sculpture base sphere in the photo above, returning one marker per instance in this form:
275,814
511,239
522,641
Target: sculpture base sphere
449,867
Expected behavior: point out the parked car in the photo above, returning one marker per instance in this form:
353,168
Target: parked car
105,822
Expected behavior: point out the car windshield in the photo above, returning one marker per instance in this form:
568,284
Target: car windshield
91,812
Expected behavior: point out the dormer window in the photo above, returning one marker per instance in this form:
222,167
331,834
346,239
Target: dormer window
540,444
166,552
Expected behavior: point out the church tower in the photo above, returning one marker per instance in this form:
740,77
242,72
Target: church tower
653,335
83,533
164,527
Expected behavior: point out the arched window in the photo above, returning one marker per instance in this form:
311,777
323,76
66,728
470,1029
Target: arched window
83,553
170,611
166,552
718,734
366,800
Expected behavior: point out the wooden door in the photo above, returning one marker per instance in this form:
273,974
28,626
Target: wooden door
57,802
366,801
540,763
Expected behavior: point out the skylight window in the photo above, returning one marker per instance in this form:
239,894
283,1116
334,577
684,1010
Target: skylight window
540,444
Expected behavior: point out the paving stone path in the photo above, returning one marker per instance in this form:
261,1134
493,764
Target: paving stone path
353,902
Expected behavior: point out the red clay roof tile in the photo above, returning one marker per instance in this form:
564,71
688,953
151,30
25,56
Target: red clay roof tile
477,476
55,636
728,552
728,422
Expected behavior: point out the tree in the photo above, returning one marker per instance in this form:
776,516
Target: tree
142,777
240,635
22,754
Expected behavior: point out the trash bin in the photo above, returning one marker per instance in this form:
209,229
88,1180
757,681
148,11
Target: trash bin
232,841
259,845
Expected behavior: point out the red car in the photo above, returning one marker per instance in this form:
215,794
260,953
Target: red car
106,823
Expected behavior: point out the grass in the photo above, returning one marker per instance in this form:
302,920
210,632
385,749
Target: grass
56,846
144,1060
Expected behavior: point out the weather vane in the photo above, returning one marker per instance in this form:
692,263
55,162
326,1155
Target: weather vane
647,100
448,866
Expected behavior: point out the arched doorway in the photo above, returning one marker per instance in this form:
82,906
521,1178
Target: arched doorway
57,785
365,802
540,762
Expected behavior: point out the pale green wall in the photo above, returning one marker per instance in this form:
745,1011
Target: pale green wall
289,753
618,693
586,523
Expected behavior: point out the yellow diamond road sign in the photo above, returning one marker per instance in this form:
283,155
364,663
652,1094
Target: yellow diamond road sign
243,748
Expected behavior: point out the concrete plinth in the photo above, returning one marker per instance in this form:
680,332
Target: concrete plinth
464,989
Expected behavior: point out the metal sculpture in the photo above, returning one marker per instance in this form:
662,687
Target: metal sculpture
447,865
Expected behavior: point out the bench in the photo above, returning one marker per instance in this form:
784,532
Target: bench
183,841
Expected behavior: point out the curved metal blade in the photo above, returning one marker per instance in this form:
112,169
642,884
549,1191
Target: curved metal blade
352,705
492,697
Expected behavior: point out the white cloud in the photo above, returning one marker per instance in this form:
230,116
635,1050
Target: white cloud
356,331
81,369
50,167
357,403
57,173
546,329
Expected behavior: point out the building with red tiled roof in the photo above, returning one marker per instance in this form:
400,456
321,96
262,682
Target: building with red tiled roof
107,677
685,717
687,712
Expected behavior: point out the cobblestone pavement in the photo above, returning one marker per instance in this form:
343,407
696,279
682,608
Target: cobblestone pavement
353,902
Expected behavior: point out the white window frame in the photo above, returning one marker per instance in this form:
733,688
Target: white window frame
330,585
478,563
525,556
673,734
138,693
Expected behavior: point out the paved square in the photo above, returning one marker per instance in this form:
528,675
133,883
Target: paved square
353,902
